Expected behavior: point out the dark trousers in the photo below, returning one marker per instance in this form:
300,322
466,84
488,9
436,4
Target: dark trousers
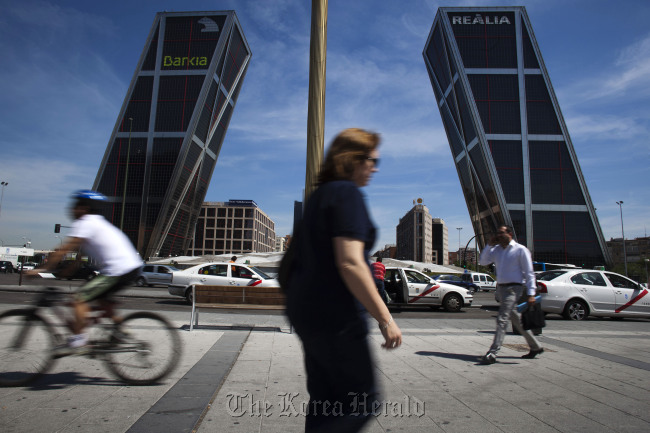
340,377
382,290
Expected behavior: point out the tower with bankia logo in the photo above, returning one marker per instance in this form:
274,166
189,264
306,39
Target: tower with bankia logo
170,129
511,147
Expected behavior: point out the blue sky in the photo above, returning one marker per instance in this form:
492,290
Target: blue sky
66,65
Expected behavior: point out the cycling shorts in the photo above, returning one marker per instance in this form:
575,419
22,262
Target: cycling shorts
102,286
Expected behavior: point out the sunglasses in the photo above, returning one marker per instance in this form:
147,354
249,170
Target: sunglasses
374,161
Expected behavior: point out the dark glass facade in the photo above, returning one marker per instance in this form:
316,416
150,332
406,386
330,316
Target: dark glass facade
170,129
511,147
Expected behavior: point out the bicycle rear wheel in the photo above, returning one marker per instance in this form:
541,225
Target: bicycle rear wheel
26,343
147,348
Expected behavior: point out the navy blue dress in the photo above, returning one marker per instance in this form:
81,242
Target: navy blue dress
328,319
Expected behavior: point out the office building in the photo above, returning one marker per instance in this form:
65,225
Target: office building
233,227
511,147
439,241
636,250
280,244
413,235
170,129
388,252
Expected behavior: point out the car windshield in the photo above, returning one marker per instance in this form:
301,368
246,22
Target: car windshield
550,275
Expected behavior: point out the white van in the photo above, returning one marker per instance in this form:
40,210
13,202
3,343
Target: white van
484,281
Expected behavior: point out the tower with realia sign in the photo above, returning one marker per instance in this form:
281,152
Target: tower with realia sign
511,147
170,129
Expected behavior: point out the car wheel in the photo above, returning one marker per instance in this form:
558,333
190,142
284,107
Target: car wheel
452,303
140,282
575,309
188,296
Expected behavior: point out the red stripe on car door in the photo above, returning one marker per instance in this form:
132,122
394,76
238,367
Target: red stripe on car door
632,301
426,292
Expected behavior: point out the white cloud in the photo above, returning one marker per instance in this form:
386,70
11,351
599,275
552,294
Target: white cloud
605,127
629,77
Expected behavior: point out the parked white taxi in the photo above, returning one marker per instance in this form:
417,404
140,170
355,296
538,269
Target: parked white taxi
576,294
218,274
406,286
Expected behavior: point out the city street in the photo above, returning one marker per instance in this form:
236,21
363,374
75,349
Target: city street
242,371
157,299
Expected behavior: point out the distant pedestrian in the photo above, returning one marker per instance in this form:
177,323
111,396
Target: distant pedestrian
233,259
330,287
515,273
378,273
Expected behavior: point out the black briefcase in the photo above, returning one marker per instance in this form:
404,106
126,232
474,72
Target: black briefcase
533,317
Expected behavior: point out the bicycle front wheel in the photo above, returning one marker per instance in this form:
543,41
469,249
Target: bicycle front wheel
26,343
147,348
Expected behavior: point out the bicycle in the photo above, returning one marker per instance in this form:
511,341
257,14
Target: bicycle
140,350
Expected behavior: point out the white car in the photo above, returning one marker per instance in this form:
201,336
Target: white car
217,274
155,274
27,266
410,287
576,294
484,281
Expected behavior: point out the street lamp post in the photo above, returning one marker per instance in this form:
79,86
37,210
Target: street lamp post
459,257
3,183
620,205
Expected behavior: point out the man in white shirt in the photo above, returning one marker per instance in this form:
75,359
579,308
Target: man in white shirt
119,262
514,274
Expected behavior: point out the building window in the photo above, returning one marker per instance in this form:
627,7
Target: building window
507,156
553,179
541,113
497,99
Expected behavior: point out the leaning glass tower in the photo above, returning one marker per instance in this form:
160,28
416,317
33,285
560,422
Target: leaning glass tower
509,141
169,132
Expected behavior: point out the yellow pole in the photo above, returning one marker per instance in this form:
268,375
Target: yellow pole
316,103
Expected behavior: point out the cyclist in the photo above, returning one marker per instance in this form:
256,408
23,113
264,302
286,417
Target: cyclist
119,263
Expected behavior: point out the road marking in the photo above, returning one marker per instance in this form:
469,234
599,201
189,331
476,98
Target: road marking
597,354
183,406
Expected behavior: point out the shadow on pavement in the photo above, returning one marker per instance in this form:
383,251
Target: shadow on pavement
64,379
464,357
235,328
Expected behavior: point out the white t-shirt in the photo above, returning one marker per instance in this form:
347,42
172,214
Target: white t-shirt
107,244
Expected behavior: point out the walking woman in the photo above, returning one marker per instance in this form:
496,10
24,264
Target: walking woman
330,288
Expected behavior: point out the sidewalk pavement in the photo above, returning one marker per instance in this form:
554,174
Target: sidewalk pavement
244,373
